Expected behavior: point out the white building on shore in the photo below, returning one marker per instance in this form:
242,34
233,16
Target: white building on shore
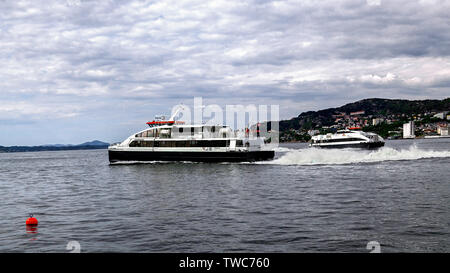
441,115
377,121
408,130
442,130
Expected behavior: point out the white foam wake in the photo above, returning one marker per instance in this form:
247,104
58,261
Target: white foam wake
313,156
283,149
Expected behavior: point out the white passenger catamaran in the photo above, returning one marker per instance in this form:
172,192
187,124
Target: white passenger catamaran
170,140
348,138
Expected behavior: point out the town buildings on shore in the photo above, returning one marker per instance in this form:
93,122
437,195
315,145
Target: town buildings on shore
429,124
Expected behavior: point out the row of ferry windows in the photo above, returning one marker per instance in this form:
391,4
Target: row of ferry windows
337,140
154,133
184,143
148,133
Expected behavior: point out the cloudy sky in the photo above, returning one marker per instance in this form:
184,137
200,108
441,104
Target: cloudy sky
78,70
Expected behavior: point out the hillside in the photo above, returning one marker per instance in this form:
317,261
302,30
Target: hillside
374,107
394,111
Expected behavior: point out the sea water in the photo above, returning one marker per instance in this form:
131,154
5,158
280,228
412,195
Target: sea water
305,200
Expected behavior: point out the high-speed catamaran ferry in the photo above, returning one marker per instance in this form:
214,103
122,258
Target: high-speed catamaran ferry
348,138
169,140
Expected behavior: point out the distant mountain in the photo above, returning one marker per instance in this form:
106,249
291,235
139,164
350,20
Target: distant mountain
373,107
96,144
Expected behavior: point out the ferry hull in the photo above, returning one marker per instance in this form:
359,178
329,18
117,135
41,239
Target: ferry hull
367,145
119,156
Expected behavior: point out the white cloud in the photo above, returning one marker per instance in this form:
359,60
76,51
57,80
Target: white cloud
30,111
388,78
373,2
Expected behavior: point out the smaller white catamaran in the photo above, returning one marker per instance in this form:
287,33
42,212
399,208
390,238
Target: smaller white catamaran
170,140
348,138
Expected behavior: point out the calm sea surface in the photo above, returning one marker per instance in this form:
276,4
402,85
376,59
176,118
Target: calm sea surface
306,200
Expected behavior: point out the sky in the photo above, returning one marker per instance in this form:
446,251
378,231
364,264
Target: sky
78,70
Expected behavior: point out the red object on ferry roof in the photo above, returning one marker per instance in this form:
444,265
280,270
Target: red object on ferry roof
165,122
161,122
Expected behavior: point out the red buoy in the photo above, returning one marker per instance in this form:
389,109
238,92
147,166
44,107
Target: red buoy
31,221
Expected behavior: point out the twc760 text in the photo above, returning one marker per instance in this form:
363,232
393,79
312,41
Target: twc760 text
246,262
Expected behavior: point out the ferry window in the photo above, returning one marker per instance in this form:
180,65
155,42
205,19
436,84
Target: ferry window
192,131
165,143
218,143
148,133
180,143
191,143
165,133
148,143
213,129
341,140
239,143
140,143
180,130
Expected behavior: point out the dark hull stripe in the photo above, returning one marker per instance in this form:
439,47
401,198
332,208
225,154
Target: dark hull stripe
370,145
117,156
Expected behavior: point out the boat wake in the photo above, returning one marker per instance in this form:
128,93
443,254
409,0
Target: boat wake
313,156
283,149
